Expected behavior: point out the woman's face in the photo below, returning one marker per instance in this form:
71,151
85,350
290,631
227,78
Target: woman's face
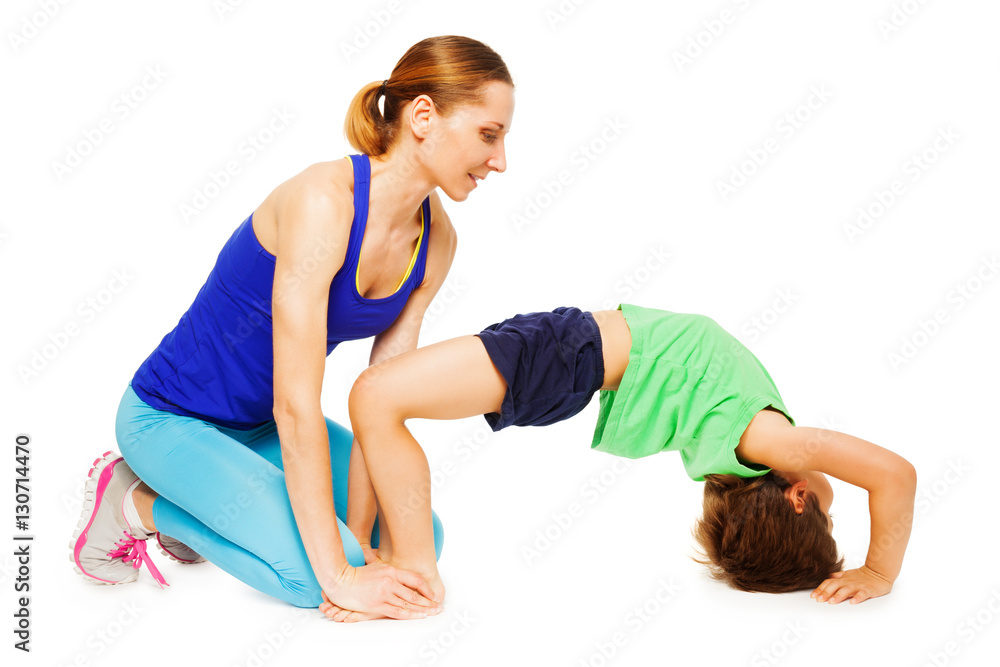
468,143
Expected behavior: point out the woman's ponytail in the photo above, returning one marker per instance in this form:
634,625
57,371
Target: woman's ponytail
365,127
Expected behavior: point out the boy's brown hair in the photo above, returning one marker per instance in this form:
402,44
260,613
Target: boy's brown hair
753,540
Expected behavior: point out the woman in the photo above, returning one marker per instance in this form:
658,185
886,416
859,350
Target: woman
233,459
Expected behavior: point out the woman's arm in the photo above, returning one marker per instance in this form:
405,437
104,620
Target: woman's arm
399,338
309,254
890,480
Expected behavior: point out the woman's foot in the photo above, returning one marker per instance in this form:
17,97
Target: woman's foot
106,548
177,551
143,498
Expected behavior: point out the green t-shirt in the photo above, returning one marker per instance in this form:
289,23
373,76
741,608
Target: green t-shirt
690,387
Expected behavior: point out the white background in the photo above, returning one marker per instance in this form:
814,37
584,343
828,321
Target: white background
683,128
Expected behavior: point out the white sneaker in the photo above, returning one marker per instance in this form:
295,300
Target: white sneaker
105,548
177,551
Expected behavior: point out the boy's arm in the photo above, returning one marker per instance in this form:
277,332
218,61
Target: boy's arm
889,479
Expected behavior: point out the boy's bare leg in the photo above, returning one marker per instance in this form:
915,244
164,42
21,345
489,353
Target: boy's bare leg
384,539
361,503
452,379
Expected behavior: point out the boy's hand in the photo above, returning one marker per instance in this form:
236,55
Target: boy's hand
858,585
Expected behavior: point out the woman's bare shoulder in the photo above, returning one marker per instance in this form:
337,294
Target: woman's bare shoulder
320,198
334,178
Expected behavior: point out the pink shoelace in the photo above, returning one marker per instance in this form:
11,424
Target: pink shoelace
131,550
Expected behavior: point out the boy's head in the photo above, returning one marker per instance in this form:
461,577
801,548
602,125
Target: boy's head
766,534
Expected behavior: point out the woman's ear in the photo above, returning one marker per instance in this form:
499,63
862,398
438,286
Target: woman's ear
420,115
796,495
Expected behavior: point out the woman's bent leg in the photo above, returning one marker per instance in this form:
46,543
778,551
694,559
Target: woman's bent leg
219,497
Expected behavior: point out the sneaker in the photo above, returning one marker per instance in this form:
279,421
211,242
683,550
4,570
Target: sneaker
105,548
177,551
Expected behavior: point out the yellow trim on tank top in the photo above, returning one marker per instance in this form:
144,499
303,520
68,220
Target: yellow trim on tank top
409,269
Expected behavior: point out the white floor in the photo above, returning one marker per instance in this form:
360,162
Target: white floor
881,326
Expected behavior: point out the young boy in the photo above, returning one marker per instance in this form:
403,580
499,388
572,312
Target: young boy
668,381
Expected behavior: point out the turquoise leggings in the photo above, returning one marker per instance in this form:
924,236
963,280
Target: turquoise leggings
222,493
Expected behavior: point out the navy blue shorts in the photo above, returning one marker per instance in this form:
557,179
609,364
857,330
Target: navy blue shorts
553,364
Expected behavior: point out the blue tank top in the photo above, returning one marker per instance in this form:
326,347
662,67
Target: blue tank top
218,362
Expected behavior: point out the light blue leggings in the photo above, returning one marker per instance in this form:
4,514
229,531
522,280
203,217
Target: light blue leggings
222,493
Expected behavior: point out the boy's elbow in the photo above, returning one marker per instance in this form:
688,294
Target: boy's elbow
906,474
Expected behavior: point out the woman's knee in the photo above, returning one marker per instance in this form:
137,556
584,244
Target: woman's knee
304,596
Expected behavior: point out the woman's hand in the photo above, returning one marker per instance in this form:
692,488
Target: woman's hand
378,591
